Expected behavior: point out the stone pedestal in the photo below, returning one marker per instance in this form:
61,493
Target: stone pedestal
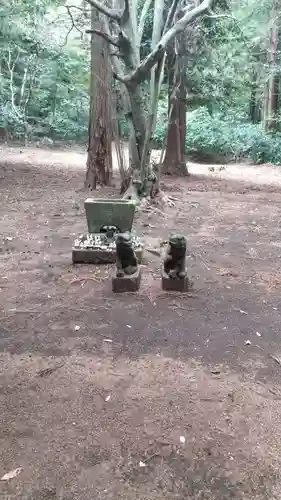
174,285
127,283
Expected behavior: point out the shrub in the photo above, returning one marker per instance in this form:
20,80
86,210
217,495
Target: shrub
228,135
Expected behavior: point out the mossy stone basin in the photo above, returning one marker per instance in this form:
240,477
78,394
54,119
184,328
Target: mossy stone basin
109,212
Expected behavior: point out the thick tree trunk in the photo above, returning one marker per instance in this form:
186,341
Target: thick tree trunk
174,160
271,96
99,162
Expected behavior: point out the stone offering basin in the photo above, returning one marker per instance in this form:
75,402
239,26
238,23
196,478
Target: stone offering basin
93,247
110,212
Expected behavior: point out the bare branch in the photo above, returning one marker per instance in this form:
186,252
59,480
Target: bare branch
114,14
78,8
73,26
170,15
11,68
143,15
107,37
155,55
221,16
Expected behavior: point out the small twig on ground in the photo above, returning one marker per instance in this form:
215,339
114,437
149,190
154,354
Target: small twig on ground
48,371
152,208
23,311
258,346
153,251
76,280
101,335
151,456
272,391
203,261
276,358
164,198
177,306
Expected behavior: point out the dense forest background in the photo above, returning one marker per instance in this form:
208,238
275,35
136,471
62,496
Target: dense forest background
232,69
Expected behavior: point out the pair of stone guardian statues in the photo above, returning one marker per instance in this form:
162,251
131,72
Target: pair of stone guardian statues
174,260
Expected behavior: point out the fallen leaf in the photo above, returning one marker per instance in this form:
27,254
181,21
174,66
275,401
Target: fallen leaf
11,474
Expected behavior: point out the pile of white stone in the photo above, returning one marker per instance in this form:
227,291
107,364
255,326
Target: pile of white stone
100,242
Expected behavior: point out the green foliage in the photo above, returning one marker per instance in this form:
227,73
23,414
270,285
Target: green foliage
43,79
225,136
227,68
44,73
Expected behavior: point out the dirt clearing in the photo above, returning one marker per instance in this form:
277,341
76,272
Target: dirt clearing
146,396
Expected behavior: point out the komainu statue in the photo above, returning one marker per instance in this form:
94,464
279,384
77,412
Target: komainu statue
126,260
174,261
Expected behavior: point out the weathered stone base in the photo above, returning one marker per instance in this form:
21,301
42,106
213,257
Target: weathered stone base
175,285
128,283
96,256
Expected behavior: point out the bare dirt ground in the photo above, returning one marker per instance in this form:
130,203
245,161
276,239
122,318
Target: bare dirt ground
184,402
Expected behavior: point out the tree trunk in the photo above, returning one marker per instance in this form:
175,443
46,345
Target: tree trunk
122,32
99,162
254,106
174,160
271,96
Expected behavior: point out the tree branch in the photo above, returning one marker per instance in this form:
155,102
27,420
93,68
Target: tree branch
114,14
142,70
221,16
78,8
73,26
108,38
170,15
143,15
117,69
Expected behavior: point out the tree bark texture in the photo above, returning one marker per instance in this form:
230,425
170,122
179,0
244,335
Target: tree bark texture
99,161
174,160
271,96
254,106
